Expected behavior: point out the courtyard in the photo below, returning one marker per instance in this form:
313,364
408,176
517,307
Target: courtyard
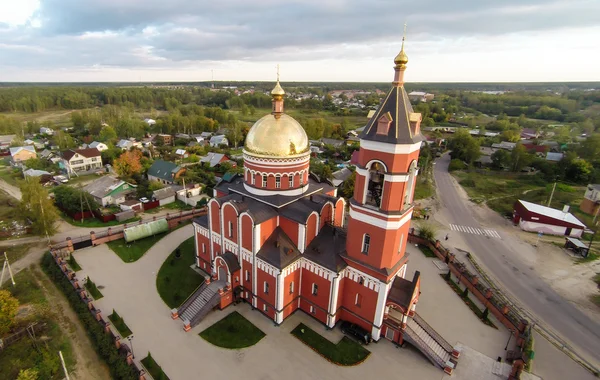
130,289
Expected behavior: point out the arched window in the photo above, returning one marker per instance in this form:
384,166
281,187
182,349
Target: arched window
253,175
366,244
375,186
264,180
277,182
291,179
410,185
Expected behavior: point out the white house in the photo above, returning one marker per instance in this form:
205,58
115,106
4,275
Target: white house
164,196
181,153
125,144
217,141
80,160
46,131
98,145
150,121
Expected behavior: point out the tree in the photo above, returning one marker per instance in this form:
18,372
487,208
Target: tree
590,148
28,374
347,189
107,134
37,207
579,171
72,200
154,185
520,158
464,147
8,310
63,140
501,159
128,163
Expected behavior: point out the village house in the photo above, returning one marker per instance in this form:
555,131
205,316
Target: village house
164,196
164,172
5,141
98,145
80,160
420,96
541,219
46,131
124,144
109,190
181,153
219,140
22,153
214,159
591,200
164,139
150,121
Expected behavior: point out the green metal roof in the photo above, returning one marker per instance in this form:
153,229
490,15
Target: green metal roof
163,170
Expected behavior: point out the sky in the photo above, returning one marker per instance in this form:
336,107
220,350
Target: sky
311,40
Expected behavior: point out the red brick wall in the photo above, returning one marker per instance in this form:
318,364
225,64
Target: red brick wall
339,212
290,303
317,312
266,229
215,217
326,214
246,266
247,232
203,240
368,300
230,215
396,163
311,226
324,288
383,250
263,277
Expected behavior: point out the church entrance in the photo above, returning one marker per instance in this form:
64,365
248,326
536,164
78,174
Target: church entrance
222,274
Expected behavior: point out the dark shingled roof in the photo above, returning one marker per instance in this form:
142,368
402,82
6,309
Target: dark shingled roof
202,220
402,290
259,211
231,260
279,250
326,247
399,107
88,153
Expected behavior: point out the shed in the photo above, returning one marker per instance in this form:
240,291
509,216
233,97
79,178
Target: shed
144,230
125,215
576,246
164,196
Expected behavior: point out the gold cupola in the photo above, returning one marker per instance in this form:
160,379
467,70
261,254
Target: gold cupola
277,134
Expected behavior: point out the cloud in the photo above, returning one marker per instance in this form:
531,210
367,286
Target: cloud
159,34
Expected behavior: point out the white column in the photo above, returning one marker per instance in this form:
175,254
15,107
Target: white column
301,237
196,245
279,300
239,242
381,298
335,287
210,239
255,248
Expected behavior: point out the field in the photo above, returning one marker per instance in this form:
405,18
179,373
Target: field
354,121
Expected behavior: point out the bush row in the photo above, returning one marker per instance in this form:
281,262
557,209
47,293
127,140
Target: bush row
102,341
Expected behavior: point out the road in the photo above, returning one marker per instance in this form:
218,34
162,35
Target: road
504,260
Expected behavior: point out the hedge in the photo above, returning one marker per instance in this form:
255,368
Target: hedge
102,341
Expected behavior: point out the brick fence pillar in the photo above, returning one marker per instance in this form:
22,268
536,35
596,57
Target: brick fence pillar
109,231
98,314
92,236
174,314
70,245
187,326
118,342
488,294
475,280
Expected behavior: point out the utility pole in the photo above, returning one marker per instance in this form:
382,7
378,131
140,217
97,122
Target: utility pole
62,360
552,194
596,214
4,267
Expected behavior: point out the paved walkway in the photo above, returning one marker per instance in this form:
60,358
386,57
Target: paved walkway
131,290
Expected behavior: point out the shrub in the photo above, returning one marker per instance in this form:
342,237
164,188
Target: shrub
427,231
465,293
485,313
101,341
456,164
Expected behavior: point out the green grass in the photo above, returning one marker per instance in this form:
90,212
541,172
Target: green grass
119,324
423,189
12,177
177,205
155,370
16,252
93,222
73,263
469,302
346,352
93,289
22,354
426,251
354,121
589,258
233,332
130,252
176,280
595,298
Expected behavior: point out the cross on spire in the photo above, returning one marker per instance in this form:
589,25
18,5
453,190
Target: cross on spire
278,72
403,36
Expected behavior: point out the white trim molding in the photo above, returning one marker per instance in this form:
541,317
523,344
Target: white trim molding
388,224
292,192
377,146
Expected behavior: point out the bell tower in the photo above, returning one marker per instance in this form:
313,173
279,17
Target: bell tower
382,205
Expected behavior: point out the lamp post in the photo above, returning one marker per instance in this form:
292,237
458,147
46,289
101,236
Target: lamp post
507,342
130,339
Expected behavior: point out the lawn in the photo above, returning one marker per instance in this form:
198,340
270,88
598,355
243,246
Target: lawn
93,222
11,177
93,289
355,121
233,332
426,251
119,324
346,352
73,264
130,252
176,280
43,355
423,189
16,252
155,370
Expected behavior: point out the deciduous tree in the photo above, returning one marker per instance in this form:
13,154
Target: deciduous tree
128,163
8,310
37,207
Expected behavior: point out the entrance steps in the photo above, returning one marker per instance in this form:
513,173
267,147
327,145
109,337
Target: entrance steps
430,343
204,299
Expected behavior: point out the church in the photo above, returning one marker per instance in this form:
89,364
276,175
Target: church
282,241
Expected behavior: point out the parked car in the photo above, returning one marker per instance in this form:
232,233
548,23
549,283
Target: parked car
144,200
61,179
356,331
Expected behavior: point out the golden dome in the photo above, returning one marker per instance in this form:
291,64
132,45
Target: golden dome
279,136
401,58
278,90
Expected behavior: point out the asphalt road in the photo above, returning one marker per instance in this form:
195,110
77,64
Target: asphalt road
503,262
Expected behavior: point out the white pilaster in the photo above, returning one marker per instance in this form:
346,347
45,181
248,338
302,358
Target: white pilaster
335,288
279,300
381,298
255,248
301,237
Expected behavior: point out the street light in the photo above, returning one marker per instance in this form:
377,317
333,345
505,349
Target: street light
510,336
130,339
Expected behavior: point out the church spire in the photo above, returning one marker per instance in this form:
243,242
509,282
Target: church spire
400,63
277,95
